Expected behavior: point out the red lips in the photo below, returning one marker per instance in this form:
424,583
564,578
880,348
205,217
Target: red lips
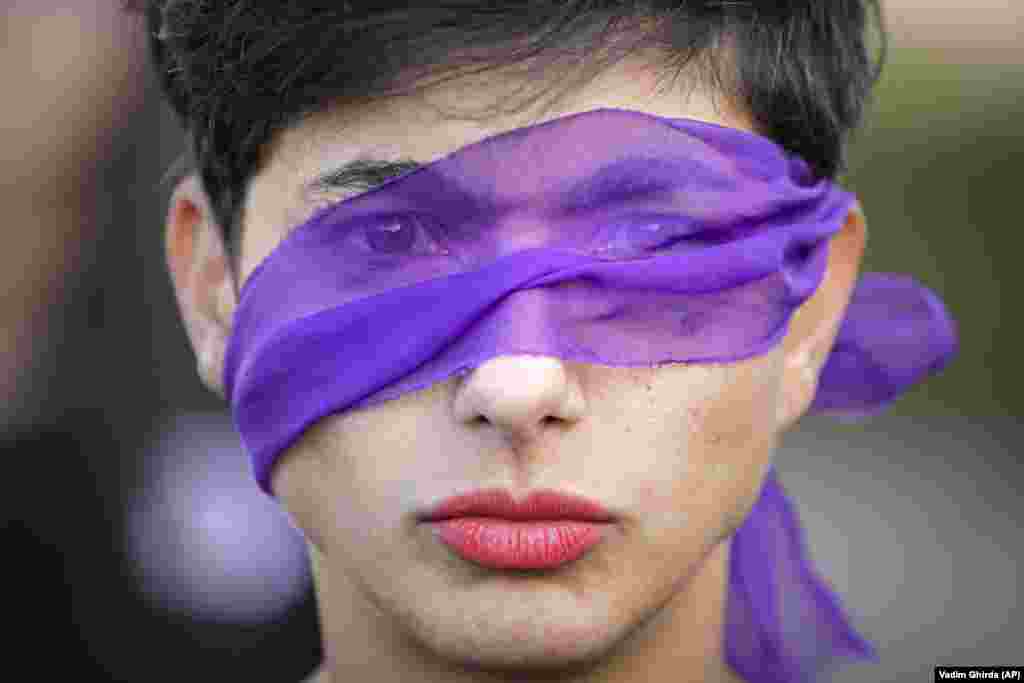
544,531
538,506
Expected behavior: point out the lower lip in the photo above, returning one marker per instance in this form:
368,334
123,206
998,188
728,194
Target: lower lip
504,544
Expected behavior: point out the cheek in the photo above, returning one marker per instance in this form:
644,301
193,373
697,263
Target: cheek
295,484
738,410
733,435
314,481
351,476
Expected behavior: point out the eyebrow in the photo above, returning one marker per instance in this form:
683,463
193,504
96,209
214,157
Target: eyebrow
624,180
360,174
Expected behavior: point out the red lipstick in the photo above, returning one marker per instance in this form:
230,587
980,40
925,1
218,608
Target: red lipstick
544,531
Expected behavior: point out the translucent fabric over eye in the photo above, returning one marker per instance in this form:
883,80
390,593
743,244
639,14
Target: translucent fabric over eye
611,237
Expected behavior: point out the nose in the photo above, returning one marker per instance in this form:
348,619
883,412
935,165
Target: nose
519,396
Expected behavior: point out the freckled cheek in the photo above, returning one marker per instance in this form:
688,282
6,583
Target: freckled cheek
670,489
739,416
728,444
728,456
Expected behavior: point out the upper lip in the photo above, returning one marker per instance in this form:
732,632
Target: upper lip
537,506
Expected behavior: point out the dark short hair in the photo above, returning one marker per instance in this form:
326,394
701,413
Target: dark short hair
238,71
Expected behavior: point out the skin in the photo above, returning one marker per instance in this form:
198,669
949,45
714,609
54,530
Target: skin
678,452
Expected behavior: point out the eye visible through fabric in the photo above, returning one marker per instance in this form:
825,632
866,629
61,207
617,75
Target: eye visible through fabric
399,236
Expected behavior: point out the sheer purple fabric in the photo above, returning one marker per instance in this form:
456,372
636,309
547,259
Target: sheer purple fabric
783,622
612,237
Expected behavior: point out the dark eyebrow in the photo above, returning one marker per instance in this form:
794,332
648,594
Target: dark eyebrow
620,181
623,180
361,174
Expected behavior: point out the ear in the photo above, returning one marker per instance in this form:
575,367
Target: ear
813,328
202,278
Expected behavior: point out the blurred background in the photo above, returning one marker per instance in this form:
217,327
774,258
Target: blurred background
140,548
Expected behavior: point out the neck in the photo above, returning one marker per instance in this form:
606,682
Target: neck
682,642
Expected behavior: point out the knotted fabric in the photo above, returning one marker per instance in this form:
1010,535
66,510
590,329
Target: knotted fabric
612,237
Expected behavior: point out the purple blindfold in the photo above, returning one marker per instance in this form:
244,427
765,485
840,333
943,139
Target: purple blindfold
612,237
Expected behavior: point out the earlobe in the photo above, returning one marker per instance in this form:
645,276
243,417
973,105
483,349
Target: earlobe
815,324
201,277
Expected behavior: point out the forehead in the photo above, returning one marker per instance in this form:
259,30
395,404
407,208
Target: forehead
439,120
430,124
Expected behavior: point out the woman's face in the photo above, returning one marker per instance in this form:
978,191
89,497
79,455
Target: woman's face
677,453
